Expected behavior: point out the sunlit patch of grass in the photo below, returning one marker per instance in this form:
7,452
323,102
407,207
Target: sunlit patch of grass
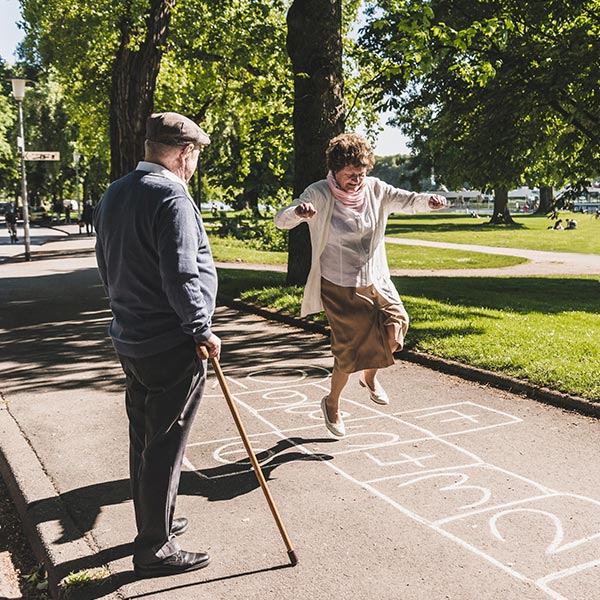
233,250
432,259
79,579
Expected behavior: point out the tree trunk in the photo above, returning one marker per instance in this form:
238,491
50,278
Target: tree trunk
546,197
314,44
501,214
134,76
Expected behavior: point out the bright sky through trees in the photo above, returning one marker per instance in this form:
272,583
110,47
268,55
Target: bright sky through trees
390,140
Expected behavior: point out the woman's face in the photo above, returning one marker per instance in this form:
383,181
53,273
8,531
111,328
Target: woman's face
350,177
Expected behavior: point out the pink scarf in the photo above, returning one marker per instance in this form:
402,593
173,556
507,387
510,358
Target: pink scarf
354,200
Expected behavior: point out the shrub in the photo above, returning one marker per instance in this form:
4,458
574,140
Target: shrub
261,234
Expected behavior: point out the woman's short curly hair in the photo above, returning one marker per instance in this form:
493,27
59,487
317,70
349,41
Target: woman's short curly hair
349,149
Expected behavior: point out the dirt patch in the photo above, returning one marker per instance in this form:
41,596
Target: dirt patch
16,557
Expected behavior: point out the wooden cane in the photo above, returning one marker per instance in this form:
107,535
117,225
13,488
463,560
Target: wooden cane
203,354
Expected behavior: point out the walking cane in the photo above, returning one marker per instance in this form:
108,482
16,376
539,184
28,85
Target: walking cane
203,354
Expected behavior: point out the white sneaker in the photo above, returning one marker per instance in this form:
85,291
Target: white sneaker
338,429
377,395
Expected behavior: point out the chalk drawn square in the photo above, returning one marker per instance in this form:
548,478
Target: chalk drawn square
275,376
545,539
217,459
578,583
290,410
366,431
454,419
380,462
454,493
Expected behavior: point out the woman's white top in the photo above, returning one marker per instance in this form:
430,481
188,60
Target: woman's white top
345,258
367,247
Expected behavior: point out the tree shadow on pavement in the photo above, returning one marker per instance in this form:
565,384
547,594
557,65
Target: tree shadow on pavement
53,330
54,334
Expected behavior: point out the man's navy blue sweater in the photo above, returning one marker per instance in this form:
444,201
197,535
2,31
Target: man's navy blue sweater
155,262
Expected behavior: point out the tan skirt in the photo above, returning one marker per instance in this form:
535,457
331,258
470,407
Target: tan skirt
358,319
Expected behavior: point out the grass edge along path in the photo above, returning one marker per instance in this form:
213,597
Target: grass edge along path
535,329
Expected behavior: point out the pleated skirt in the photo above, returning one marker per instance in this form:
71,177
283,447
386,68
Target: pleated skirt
359,319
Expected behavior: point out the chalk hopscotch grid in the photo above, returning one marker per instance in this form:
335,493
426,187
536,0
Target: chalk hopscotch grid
273,388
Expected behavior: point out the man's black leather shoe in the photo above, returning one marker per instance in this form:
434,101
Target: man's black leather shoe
179,526
180,562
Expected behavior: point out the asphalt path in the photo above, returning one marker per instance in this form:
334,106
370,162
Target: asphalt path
539,262
456,490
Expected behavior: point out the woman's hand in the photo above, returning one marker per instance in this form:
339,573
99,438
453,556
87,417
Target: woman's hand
306,210
436,201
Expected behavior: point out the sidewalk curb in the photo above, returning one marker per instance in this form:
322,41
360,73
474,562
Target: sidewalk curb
44,517
450,367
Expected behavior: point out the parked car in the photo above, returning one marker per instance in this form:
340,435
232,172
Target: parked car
39,214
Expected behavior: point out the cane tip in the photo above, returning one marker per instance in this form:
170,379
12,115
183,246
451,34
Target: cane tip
293,557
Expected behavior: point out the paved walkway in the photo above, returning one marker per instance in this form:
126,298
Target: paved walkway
456,490
539,262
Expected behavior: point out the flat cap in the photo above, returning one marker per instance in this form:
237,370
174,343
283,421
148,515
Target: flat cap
174,129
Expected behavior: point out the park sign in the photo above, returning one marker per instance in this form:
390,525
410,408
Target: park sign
42,155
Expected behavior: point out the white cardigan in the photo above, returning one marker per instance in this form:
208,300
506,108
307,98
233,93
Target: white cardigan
384,199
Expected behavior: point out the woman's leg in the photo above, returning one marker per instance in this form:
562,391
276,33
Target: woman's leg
394,345
339,379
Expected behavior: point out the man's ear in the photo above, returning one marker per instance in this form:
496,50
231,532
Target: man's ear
186,150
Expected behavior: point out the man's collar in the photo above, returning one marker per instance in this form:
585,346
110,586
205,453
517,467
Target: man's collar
151,167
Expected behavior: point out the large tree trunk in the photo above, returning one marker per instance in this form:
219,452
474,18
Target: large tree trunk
546,197
133,83
501,214
314,44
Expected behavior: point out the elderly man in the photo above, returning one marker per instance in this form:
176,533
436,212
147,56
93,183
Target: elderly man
157,269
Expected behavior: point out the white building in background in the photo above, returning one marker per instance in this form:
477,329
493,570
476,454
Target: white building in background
519,199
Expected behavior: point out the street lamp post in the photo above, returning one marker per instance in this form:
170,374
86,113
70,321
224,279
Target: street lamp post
18,88
76,159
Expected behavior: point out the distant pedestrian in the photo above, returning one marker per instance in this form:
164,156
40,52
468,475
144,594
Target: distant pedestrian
11,223
349,277
156,265
558,225
67,209
87,217
571,224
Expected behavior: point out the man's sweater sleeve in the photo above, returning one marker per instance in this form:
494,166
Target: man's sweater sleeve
186,266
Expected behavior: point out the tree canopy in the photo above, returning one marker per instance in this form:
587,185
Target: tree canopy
493,92
224,64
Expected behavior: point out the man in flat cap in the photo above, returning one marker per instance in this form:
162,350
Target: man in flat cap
157,269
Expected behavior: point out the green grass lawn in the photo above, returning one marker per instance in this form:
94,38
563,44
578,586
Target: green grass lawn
531,232
232,250
543,330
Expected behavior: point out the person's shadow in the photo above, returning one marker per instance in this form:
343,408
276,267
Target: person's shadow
78,509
